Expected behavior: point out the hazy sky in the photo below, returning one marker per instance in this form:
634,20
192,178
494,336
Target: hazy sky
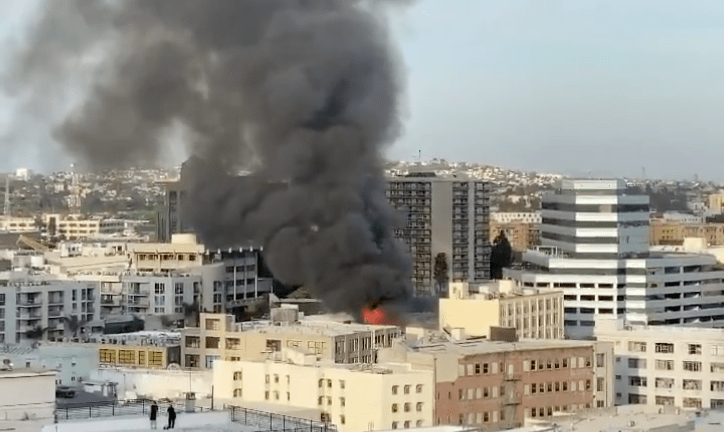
567,86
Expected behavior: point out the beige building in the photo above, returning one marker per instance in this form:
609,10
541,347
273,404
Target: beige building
521,235
183,252
73,227
534,313
665,233
220,338
12,224
716,202
356,398
27,394
682,367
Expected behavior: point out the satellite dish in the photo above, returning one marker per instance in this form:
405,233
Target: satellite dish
173,366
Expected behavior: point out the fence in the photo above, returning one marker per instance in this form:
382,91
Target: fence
108,409
266,421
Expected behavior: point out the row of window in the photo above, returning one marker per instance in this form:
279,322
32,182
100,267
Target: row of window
396,425
669,383
559,386
668,348
687,402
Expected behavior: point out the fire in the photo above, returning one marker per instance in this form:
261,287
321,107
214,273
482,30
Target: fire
379,316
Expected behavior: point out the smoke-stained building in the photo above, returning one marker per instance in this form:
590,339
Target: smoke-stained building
447,215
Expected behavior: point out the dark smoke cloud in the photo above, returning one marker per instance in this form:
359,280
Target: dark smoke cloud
305,91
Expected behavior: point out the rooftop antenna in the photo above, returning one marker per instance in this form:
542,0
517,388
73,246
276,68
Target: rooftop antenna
6,207
74,200
419,155
643,173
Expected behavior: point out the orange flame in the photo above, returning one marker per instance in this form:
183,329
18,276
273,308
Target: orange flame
378,316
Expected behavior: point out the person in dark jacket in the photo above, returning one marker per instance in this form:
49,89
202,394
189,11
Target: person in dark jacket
171,418
154,413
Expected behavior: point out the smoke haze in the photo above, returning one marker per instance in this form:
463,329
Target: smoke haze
305,92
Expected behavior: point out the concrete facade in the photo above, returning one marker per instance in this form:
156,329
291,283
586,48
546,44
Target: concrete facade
533,313
681,367
27,394
355,398
219,338
443,215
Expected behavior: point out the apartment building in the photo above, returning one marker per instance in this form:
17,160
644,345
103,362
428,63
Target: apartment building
595,249
220,338
75,227
159,294
673,233
443,215
682,366
183,253
17,225
521,235
492,385
45,307
533,313
354,397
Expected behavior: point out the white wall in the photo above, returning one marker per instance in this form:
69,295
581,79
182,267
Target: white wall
27,395
156,384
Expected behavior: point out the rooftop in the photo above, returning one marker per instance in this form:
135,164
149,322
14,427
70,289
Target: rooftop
627,418
484,346
189,422
26,372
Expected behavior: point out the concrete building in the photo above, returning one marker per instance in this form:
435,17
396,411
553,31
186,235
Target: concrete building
13,224
533,313
182,253
72,362
443,215
595,249
495,385
46,307
159,294
355,398
220,338
716,202
673,233
74,227
27,394
682,366
521,235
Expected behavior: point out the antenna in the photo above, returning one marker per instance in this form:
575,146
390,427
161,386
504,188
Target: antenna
6,207
74,200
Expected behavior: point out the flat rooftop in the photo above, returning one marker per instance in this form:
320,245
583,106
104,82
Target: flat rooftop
627,418
484,346
25,373
218,421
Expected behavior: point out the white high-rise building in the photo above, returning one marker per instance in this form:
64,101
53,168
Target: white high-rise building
595,249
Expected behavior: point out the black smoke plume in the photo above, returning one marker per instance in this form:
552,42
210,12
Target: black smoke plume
305,92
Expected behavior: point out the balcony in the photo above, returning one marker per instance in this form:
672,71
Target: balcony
139,303
30,316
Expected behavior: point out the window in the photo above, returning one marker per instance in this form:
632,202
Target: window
233,343
419,407
692,366
276,378
341,401
636,399
636,363
665,348
565,362
394,408
418,388
329,383
341,384
107,355
192,361
637,346
320,401
2,299
407,407
193,342
717,386
179,288
694,349
126,357
664,383
237,376
237,392
600,384
691,384
407,389
212,324
692,402
637,381
665,400
664,365
212,342
394,389
394,425
407,424
160,288
155,358
341,419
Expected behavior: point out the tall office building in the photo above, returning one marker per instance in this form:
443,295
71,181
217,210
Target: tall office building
447,215
595,249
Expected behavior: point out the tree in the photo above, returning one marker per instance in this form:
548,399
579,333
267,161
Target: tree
440,273
501,256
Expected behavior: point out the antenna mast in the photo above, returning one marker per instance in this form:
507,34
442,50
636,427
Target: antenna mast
6,207
74,200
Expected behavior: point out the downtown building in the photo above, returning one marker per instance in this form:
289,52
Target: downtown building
681,367
595,249
443,215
